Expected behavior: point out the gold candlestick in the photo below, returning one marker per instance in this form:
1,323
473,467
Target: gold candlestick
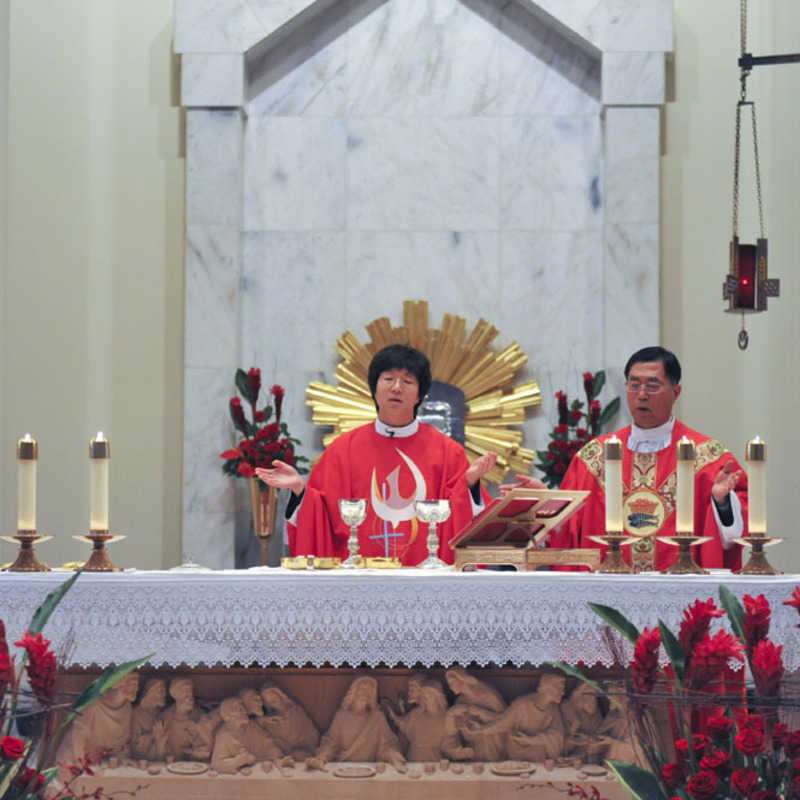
26,535
756,457
99,535
684,538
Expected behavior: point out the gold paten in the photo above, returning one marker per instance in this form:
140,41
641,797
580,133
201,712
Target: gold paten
379,562
493,401
310,562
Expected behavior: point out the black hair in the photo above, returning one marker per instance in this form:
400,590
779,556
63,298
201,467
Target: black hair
400,356
672,367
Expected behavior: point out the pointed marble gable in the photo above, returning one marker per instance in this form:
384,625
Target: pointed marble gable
497,158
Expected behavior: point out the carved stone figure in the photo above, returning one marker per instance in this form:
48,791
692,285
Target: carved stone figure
230,751
256,739
359,731
148,732
532,723
189,730
424,726
477,705
105,725
287,723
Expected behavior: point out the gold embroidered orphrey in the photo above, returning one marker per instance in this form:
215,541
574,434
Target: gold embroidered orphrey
645,505
494,403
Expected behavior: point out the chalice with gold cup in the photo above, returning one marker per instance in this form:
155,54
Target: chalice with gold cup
432,512
353,512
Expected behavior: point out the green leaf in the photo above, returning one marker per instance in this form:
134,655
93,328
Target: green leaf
674,650
576,673
49,774
599,383
616,620
639,782
243,385
42,614
730,602
609,411
102,683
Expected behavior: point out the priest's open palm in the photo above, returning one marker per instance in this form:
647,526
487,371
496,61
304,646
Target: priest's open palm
282,476
726,481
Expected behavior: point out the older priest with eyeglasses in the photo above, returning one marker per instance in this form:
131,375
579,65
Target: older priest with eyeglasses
652,383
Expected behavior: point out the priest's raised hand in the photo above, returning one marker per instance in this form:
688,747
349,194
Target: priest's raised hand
282,476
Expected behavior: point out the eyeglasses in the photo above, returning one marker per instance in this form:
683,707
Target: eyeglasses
651,387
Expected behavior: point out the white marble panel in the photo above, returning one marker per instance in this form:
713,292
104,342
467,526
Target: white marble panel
214,167
304,74
456,272
632,164
295,173
551,173
414,57
273,14
208,538
543,72
633,79
208,431
583,17
212,80
213,274
216,26
423,174
550,291
637,25
631,289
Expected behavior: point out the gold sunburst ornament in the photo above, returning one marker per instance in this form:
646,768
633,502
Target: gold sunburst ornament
493,403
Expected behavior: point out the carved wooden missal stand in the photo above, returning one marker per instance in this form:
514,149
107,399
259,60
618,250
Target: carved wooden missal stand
510,531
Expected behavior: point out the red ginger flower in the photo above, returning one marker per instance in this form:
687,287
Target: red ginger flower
594,417
41,667
794,600
767,667
644,666
703,785
277,392
253,384
11,748
237,415
712,655
744,781
695,624
588,384
756,620
563,412
6,666
750,741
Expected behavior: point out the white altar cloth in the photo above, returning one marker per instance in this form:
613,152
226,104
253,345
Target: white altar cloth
373,617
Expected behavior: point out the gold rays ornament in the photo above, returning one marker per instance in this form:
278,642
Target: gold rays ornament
486,378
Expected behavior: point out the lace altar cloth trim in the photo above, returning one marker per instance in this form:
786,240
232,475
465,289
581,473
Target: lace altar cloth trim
371,617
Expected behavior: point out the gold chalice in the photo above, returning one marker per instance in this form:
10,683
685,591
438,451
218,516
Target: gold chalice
432,512
353,512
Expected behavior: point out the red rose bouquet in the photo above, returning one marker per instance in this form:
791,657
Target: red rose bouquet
28,689
264,439
575,428
728,746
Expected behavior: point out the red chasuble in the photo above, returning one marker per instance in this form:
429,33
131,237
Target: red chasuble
391,473
649,497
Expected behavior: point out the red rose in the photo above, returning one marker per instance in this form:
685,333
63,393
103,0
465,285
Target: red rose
559,468
795,786
11,748
779,734
792,744
703,786
796,766
756,619
582,433
717,760
755,721
764,794
232,453
575,415
258,416
744,781
41,667
561,430
673,774
644,667
750,742
699,743
767,667
246,470
29,779
719,726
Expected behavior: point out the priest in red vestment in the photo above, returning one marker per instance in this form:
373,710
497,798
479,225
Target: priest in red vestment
392,463
652,383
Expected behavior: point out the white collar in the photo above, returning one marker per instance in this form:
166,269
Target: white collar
651,440
397,433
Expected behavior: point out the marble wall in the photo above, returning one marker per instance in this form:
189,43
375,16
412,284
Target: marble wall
498,158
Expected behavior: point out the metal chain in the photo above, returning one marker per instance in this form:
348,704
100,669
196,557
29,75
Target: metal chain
758,171
736,171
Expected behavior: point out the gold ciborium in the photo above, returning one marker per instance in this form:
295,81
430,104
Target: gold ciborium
353,512
432,512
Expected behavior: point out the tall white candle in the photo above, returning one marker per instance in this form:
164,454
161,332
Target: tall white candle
684,511
99,455
27,455
756,457
613,453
